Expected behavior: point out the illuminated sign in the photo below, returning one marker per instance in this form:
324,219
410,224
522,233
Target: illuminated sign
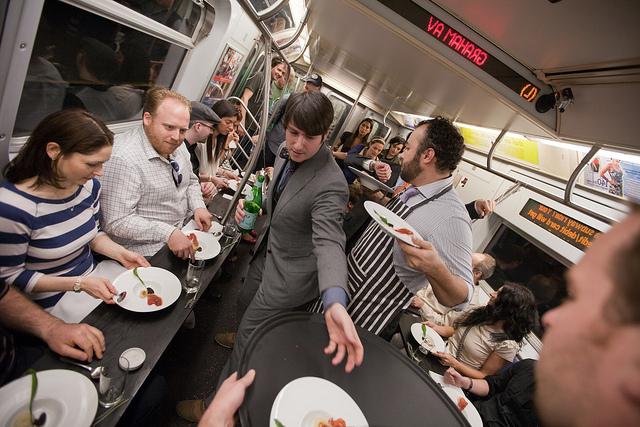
464,47
560,225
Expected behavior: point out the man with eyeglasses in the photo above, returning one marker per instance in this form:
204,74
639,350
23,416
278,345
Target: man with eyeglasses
149,189
203,119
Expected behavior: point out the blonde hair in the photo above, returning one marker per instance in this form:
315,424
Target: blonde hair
157,94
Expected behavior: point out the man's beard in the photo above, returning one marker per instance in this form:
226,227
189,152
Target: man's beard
409,171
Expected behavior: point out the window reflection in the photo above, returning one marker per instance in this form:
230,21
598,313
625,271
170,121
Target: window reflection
180,15
86,61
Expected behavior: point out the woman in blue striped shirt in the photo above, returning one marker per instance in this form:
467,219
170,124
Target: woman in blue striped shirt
49,211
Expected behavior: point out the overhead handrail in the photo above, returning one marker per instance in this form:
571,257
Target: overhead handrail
235,98
271,11
568,190
295,35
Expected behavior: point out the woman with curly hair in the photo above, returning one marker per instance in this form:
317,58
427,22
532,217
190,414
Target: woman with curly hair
484,339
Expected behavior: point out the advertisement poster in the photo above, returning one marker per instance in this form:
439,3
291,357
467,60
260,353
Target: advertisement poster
223,77
614,176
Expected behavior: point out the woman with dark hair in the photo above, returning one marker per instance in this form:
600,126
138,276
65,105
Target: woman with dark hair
212,154
485,339
49,211
349,140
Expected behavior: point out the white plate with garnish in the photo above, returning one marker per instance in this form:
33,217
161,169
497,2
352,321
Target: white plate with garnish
460,400
205,245
67,398
311,401
161,289
391,223
428,339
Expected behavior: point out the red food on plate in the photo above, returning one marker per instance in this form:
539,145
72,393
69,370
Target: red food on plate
194,242
404,231
332,422
462,403
153,299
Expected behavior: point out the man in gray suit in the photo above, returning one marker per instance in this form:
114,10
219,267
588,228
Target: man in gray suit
300,256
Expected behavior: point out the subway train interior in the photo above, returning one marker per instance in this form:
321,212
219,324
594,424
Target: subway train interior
545,94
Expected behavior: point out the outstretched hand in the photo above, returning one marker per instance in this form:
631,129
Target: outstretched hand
343,338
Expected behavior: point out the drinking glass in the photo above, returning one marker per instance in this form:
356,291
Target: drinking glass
192,281
113,378
229,236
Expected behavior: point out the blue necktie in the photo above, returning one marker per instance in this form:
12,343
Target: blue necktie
289,168
409,193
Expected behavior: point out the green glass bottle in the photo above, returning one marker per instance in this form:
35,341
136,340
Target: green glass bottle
252,206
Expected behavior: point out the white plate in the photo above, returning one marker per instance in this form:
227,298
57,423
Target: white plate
376,211
305,401
208,243
68,398
164,284
455,393
438,342
370,182
233,185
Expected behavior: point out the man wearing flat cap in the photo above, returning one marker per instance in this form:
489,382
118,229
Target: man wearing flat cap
149,190
203,121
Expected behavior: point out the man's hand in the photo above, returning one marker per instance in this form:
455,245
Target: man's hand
130,259
180,244
98,287
227,401
453,377
240,211
64,339
484,208
417,302
382,170
343,337
202,217
424,258
208,189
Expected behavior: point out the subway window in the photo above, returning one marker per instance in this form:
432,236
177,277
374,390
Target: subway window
81,60
180,15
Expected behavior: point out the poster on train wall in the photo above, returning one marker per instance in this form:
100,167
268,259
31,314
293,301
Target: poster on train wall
614,176
224,76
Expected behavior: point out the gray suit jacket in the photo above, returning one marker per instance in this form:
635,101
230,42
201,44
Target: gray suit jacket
304,239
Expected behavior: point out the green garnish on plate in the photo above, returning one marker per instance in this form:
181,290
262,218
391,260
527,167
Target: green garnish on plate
278,423
384,220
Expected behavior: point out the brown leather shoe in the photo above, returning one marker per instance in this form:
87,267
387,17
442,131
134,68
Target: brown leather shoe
190,410
225,339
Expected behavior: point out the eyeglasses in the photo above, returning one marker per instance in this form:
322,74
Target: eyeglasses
175,172
211,128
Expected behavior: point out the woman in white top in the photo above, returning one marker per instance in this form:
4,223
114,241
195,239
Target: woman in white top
485,339
212,154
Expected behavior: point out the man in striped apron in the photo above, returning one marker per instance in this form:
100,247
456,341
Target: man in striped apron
381,282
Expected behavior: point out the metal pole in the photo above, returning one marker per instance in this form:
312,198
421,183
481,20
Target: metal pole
257,149
353,108
568,190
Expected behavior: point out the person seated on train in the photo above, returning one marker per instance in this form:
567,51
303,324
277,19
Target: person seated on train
437,214
203,122
50,210
19,314
348,140
366,158
276,132
149,189
214,151
392,154
485,339
504,399
96,66
430,309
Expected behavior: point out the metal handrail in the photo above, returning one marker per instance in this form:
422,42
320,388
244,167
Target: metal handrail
568,190
271,11
295,35
235,98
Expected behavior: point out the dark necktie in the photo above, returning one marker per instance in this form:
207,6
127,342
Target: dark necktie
289,168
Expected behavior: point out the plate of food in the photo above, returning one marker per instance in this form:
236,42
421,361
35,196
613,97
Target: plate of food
460,400
428,339
370,182
205,245
233,186
391,223
66,398
315,402
146,289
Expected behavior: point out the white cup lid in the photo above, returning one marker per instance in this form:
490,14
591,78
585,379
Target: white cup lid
135,356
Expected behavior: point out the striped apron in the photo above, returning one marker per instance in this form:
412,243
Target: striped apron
377,293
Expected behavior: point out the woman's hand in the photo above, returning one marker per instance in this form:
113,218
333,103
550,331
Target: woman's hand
438,328
453,377
417,302
130,259
446,359
220,183
98,287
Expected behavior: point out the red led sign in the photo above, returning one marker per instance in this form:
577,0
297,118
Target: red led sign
455,41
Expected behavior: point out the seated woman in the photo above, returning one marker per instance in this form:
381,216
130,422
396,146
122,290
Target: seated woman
359,155
348,140
212,154
50,210
486,338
